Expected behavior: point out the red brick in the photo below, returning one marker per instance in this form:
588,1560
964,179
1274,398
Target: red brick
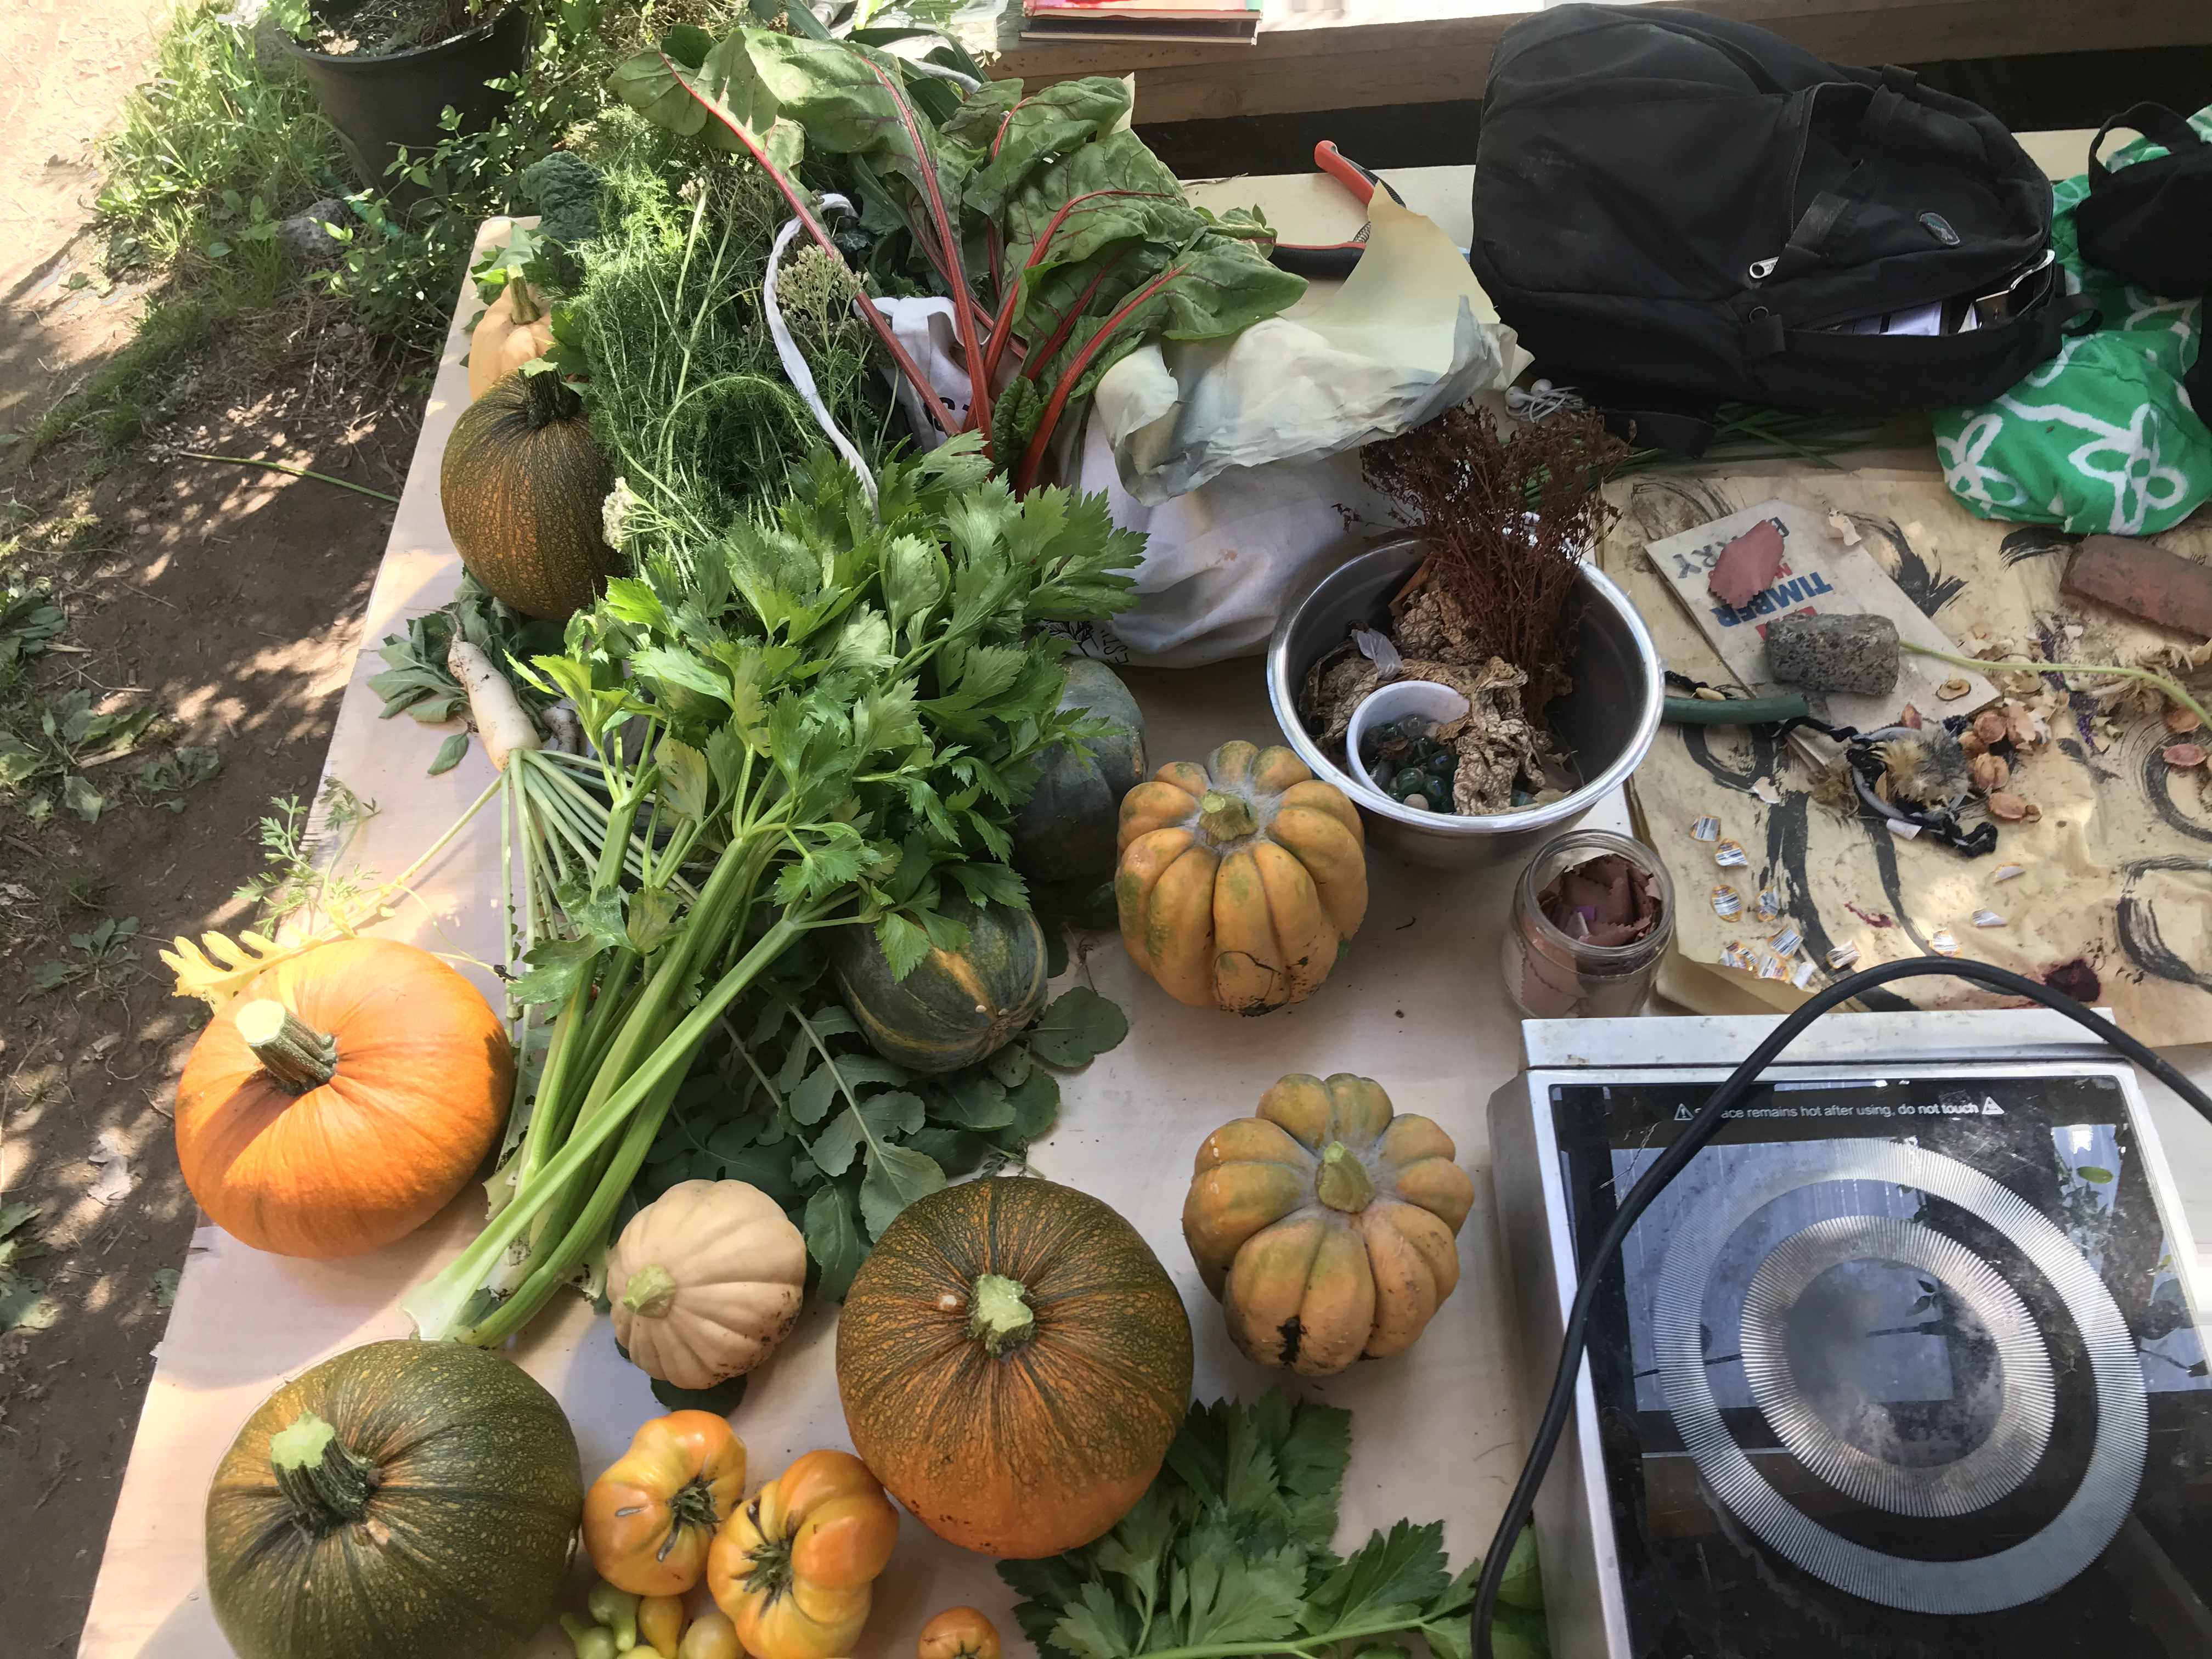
2143,579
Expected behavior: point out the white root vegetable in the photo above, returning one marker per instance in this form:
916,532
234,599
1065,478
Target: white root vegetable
563,730
500,719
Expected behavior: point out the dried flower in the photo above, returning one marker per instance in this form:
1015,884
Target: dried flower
2184,754
1990,726
2178,719
1509,519
1990,772
2011,808
1954,688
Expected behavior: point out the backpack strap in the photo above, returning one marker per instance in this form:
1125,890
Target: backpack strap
2155,122
1810,233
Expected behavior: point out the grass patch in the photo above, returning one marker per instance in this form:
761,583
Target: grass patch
212,150
220,146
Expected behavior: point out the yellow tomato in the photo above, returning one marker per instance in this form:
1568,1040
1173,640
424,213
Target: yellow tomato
795,1569
649,1520
959,1633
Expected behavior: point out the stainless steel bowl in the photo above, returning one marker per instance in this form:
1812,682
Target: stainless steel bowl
1608,720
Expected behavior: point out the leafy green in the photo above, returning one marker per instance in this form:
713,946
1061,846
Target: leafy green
685,396
1228,1552
417,682
794,1100
810,765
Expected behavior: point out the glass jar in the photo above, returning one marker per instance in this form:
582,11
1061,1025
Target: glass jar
1552,975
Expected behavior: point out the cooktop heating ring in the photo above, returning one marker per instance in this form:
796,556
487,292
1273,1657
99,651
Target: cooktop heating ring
1978,1478
2036,1565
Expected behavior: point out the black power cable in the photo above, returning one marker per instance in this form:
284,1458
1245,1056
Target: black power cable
1670,1164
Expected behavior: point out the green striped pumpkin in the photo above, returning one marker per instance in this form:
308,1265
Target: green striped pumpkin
403,1500
521,485
957,1005
1064,832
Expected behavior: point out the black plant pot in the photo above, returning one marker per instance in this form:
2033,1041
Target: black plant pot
378,104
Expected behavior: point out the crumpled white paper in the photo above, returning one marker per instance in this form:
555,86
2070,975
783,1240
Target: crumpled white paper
1410,334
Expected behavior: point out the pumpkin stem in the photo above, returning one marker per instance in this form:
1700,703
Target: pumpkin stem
1224,816
326,1484
292,1052
547,400
1343,1183
999,1315
651,1292
522,305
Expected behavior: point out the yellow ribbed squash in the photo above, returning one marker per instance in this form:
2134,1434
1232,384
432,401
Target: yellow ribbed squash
1240,880
1327,1225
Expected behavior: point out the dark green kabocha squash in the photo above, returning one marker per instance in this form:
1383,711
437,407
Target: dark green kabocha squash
403,1500
956,1006
1064,833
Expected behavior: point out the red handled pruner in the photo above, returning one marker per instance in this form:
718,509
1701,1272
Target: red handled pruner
1332,261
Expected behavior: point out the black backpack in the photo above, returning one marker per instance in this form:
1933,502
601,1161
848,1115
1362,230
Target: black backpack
1695,204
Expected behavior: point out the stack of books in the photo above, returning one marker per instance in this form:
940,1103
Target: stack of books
1228,20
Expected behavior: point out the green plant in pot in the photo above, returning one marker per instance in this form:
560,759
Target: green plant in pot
384,72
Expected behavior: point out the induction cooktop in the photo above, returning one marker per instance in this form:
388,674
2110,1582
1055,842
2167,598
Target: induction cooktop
1903,1363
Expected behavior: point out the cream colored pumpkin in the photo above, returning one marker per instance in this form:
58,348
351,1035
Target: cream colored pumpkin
705,1281
503,341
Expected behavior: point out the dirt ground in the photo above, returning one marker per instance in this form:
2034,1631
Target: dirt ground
229,600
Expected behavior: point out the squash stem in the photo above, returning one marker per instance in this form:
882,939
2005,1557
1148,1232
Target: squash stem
999,1316
1343,1183
1224,816
326,1485
292,1052
651,1292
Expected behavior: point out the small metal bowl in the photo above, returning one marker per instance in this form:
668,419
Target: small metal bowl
1608,720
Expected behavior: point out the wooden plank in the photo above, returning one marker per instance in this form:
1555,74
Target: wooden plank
1327,61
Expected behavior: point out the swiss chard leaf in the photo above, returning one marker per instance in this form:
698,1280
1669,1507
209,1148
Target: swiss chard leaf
1036,130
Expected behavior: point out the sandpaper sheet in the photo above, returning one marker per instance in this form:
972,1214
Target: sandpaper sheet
2113,893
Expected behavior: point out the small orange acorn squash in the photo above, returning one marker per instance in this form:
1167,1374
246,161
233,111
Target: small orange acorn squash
1328,1226
1241,880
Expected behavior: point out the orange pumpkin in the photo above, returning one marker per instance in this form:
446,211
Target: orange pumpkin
795,1569
342,1100
649,1520
1241,880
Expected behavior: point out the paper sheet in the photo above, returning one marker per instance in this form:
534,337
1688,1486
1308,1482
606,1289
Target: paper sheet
2115,876
1410,334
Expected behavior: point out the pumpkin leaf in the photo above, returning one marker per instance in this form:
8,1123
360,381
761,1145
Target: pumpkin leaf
1078,1027
721,1400
833,1239
896,1177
